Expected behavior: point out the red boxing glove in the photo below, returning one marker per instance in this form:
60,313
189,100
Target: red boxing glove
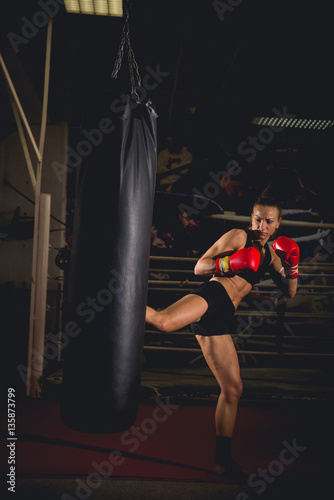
246,259
288,252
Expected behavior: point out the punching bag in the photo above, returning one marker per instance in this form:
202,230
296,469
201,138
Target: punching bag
105,312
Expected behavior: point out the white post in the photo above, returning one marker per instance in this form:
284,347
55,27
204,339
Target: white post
37,341
39,271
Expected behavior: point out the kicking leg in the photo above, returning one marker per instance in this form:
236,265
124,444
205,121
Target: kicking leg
188,309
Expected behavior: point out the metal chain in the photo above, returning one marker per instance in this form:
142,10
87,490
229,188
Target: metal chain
133,66
120,53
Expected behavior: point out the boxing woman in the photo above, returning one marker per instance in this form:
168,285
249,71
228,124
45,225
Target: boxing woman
235,262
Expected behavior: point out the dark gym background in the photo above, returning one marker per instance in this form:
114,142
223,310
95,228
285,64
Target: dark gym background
209,68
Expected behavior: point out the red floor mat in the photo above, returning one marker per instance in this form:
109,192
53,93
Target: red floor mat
173,444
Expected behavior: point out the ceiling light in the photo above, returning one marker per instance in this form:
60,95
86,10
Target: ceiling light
293,122
95,7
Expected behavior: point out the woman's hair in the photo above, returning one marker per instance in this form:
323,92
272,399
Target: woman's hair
265,201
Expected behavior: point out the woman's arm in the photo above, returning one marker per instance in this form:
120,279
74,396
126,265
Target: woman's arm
277,272
229,243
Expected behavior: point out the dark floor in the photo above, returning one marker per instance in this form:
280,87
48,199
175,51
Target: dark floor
55,489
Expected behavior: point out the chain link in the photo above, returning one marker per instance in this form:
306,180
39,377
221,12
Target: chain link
133,66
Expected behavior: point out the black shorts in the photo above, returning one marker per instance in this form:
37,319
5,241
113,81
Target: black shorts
219,318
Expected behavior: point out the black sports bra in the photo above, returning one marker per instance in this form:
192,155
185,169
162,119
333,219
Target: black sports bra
252,277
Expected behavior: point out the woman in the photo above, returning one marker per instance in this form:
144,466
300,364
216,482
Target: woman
235,262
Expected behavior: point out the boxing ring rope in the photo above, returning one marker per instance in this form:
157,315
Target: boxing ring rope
321,265
284,222
197,283
252,353
187,333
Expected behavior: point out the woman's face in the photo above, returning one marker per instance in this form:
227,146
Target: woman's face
265,221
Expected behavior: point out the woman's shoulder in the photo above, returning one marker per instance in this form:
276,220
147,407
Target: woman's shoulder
238,236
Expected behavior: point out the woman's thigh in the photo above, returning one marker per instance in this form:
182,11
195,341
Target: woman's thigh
188,309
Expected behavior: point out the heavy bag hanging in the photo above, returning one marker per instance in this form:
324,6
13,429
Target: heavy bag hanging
105,313
107,296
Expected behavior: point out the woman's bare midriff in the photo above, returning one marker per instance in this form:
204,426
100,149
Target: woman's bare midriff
236,287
